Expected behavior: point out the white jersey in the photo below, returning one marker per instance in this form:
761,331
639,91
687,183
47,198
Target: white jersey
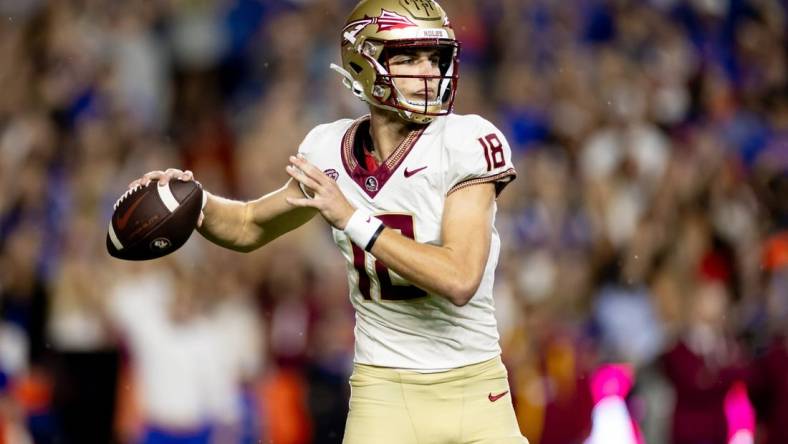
397,324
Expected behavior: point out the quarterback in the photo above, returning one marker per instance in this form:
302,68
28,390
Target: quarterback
409,191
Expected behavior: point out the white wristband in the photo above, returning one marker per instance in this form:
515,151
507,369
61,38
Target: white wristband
363,229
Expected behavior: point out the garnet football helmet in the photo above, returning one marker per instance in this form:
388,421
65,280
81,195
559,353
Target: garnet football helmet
378,28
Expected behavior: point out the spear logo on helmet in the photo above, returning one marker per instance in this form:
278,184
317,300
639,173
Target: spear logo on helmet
386,21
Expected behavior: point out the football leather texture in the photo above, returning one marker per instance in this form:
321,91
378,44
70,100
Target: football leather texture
152,221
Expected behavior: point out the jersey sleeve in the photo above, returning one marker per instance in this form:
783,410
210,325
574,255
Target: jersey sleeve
479,153
310,146
307,149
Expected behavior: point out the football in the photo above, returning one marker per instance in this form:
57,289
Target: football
152,221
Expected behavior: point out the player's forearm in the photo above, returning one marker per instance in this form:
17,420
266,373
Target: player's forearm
227,223
437,269
245,226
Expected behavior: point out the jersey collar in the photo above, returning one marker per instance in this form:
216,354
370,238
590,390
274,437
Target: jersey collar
372,183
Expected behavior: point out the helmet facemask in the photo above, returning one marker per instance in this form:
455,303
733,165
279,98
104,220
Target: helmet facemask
434,94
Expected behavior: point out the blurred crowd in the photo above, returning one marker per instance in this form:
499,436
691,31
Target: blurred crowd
648,226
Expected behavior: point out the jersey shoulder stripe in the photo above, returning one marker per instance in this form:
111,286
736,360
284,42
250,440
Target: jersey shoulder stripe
501,179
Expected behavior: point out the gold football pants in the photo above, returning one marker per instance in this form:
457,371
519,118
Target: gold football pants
467,405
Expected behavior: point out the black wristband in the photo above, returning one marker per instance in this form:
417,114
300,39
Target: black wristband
375,236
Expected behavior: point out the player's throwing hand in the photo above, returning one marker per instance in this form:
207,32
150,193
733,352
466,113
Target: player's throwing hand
163,177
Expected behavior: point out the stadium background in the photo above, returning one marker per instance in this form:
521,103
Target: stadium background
651,140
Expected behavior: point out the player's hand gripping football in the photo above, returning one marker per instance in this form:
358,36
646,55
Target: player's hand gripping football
164,177
327,198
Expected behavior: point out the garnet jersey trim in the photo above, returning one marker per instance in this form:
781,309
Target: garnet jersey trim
509,175
373,182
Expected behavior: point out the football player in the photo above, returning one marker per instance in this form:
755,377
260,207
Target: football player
409,191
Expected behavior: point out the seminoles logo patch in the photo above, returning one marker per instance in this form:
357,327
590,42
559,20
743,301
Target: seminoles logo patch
331,173
386,21
371,184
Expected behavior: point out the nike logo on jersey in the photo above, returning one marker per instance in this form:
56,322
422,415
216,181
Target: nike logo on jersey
494,398
412,172
124,218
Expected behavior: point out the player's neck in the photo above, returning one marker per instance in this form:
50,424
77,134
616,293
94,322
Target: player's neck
387,131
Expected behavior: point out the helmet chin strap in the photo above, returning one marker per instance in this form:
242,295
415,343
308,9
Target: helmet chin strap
353,85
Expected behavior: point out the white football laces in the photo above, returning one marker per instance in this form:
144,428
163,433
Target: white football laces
125,195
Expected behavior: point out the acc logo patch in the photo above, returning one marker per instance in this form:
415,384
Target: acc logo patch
331,173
